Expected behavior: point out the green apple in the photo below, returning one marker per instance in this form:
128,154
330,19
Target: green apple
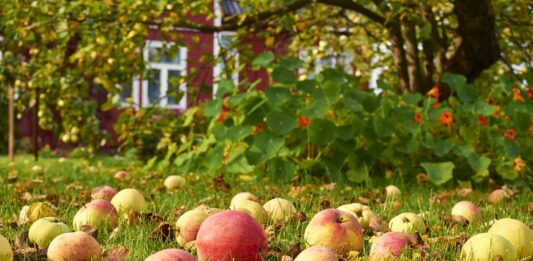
174,182
98,213
409,223
44,230
488,246
74,246
363,213
254,209
188,225
6,253
518,233
279,209
336,229
467,210
242,196
129,199
39,210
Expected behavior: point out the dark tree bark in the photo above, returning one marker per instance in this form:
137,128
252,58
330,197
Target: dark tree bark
478,45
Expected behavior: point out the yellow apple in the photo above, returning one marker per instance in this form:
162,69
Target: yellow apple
408,223
279,209
363,213
98,213
44,230
129,199
6,253
254,209
188,225
242,196
467,210
393,191
174,182
518,233
488,246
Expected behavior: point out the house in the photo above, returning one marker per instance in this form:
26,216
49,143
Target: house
189,61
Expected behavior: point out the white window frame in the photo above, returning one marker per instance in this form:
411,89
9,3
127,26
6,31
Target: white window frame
218,70
163,68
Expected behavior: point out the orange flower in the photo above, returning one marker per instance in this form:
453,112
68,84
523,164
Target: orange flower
482,120
510,134
223,115
418,119
304,122
517,95
258,128
519,165
446,119
434,92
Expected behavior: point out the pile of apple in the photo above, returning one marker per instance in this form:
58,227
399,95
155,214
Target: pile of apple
239,233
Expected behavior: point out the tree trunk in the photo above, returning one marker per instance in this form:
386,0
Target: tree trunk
412,57
478,47
398,54
11,113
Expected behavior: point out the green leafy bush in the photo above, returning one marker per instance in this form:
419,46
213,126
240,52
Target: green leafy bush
333,128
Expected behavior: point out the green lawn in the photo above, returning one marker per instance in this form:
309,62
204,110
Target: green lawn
67,183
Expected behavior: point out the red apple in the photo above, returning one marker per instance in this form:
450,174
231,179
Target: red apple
171,254
317,253
390,245
335,229
231,235
103,192
74,246
122,174
98,213
468,210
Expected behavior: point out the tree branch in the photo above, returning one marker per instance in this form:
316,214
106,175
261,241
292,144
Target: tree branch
351,5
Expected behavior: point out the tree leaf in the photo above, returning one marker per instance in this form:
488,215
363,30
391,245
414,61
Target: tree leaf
439,173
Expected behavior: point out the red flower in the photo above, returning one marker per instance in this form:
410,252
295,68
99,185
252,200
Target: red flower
510,134
446,119
434,92
304,122
490,101
258,128
530,94
517,95
482,120
418,119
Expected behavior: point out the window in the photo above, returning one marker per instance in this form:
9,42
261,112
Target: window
227,58
162,84
333,60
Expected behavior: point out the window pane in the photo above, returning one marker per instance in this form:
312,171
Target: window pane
174,94
126,92
154,85
164,55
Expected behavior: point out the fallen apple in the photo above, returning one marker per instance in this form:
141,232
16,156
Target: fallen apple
409,223
37,169
363,213
103,192
317,253
254,209
23,216
74,246
98,213
279,209
171,254
6,252
129,199
390,245
336,229
44,230
188,225
467,210
122,174
174,182
392,191
242,196
39,210
488,246
231,235
516,232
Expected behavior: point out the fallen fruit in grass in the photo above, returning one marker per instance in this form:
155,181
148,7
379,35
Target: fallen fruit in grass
174,182
103,192
171,254
279,209
390,245
393,191
129,199
242,196
74,246
98,213
6,253
44,230
23,216
488,246
254,209
499,195
409,223
467,210
231,235
516,232
39,210
335,229
317,253
362,212
37,169
122,174
188,225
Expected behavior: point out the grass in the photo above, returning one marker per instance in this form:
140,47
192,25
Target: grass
72,179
